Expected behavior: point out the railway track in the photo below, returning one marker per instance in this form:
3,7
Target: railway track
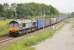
4,42
5,39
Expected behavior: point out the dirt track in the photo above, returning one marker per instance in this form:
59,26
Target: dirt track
62,40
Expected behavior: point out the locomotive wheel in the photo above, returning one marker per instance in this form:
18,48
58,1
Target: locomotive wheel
14,34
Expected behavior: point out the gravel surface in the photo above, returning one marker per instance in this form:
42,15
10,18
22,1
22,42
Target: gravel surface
62,40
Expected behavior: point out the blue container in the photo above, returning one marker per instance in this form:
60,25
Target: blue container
40,23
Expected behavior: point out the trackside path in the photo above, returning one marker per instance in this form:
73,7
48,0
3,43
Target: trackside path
62,40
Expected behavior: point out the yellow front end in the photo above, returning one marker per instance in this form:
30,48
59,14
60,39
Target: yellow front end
13,29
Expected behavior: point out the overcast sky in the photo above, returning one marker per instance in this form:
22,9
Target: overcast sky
64,6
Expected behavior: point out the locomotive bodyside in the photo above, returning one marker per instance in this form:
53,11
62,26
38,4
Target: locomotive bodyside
21,27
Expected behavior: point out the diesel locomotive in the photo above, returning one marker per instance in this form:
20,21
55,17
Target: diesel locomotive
17,27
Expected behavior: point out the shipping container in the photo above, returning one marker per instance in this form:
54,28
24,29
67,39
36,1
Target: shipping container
40,23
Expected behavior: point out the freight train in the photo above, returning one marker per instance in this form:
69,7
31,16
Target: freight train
20,26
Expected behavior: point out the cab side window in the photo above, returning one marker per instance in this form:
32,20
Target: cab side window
23,24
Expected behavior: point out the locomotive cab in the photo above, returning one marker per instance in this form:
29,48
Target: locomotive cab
20,27
13,28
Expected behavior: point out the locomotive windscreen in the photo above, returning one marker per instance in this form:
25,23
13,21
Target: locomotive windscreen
23,24
13,24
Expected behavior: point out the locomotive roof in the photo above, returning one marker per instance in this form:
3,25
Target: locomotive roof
13,22
24,20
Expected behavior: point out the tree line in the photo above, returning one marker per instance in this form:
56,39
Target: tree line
27,9
72,15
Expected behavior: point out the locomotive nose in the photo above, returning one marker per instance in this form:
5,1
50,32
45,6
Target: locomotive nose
13,29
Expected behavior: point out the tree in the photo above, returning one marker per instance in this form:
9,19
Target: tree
27,9
53,11
1,10
72,15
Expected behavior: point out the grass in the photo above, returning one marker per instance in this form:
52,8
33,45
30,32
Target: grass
18,47
72,23
4,27
3,22
72,26
35,39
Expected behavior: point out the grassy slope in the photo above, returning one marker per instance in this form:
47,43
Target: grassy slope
4,27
